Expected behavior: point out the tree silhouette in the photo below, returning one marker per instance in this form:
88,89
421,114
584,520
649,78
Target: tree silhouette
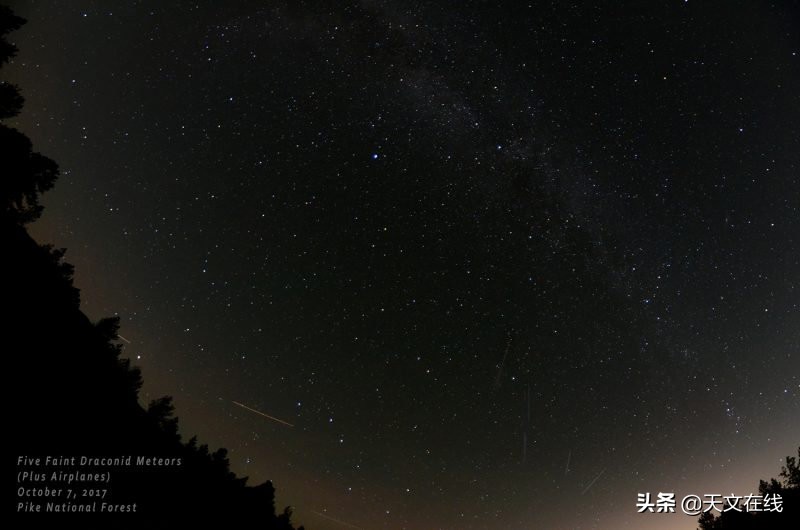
788,487
74,394
25,174
11,100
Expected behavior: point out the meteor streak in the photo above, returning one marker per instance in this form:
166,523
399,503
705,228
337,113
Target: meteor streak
273,418
123,338
569,457
497,379
592,482
328,517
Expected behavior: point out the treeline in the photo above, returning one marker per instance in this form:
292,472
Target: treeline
70,393
783,512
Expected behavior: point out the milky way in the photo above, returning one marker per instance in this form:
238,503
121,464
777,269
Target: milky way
500,267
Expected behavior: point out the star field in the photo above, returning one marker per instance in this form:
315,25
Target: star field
498,266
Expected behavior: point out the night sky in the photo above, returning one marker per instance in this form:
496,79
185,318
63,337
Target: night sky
500,267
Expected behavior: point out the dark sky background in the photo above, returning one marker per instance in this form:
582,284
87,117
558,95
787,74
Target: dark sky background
500,266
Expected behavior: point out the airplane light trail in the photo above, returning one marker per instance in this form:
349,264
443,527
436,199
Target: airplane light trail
273,418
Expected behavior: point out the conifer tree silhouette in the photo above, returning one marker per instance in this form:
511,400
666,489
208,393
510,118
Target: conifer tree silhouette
75,395
788,488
